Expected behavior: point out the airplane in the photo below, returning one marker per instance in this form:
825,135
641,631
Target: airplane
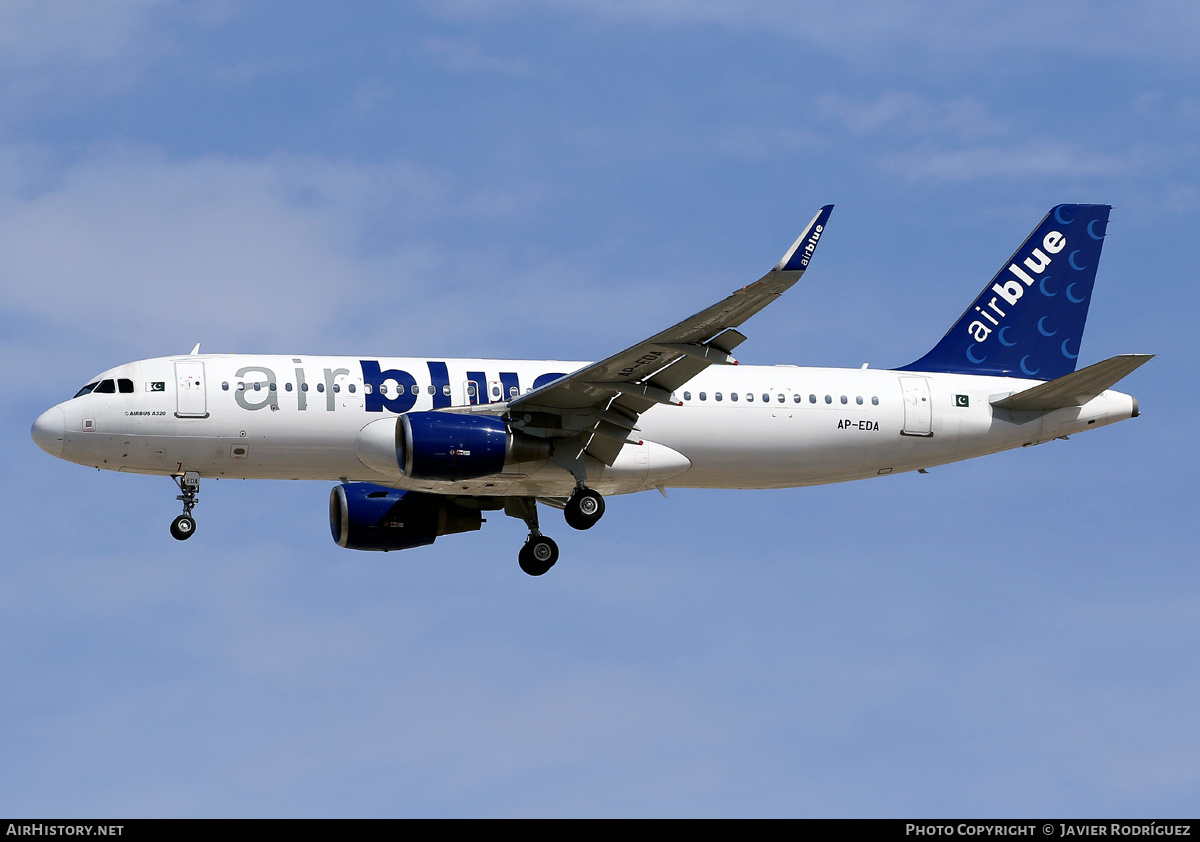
422,448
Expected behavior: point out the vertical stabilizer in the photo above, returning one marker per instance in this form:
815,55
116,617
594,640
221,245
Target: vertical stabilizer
1028,321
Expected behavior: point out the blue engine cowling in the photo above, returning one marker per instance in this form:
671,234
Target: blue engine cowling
363,516
448,446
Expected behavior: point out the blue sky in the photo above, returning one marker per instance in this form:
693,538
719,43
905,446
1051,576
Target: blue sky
1013,636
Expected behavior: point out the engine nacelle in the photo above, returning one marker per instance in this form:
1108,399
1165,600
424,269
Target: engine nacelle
445,446
363,516
449,446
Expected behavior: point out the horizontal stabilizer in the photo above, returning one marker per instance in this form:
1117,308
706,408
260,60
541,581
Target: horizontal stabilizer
1076,388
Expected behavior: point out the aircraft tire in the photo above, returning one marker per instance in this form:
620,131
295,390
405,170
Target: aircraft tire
584,509
183,527
538,555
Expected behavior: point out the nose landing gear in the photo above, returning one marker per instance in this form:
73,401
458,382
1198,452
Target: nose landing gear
189,486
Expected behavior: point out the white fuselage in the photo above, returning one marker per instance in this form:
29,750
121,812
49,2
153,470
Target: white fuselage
283,417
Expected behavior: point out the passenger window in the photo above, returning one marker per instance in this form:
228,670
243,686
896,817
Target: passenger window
687,396
717,396
416,390
703,396
241,387
796,399
844,401
470,390
495,391
272,387
431,389
303,387
336,388
829,399
733,396
288,386
107,387
446,390
513,391
781,398
320,387
258,387
125,385
858,400
874,401
812,398
225,386
750,397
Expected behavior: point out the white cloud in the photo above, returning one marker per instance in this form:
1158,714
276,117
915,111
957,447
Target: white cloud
1032,158
870,32
461,56
912,115
128,254
130,244
63,49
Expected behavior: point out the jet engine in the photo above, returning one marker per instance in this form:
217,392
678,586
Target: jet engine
445,446
363,516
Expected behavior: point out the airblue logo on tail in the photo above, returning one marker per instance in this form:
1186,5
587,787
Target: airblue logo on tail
1028,322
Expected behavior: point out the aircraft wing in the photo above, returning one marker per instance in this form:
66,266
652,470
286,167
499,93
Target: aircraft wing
601,402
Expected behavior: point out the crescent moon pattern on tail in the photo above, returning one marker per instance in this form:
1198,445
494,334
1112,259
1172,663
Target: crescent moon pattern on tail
1028,320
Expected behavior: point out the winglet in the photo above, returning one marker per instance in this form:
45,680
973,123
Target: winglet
797,257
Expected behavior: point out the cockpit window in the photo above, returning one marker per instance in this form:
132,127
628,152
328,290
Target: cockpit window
87,389
125,386
106,387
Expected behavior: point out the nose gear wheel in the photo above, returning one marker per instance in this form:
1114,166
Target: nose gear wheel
184,526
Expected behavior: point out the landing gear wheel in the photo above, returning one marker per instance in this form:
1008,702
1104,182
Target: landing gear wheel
183,527
538,555
189,486
584,508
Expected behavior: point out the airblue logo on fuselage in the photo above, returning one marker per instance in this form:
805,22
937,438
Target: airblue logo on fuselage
1012,289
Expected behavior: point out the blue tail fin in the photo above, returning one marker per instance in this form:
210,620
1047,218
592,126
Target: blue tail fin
1028,321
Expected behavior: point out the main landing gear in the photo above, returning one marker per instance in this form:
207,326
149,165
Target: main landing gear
539,554
189,486
584,508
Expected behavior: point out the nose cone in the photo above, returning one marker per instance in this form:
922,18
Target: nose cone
49,431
